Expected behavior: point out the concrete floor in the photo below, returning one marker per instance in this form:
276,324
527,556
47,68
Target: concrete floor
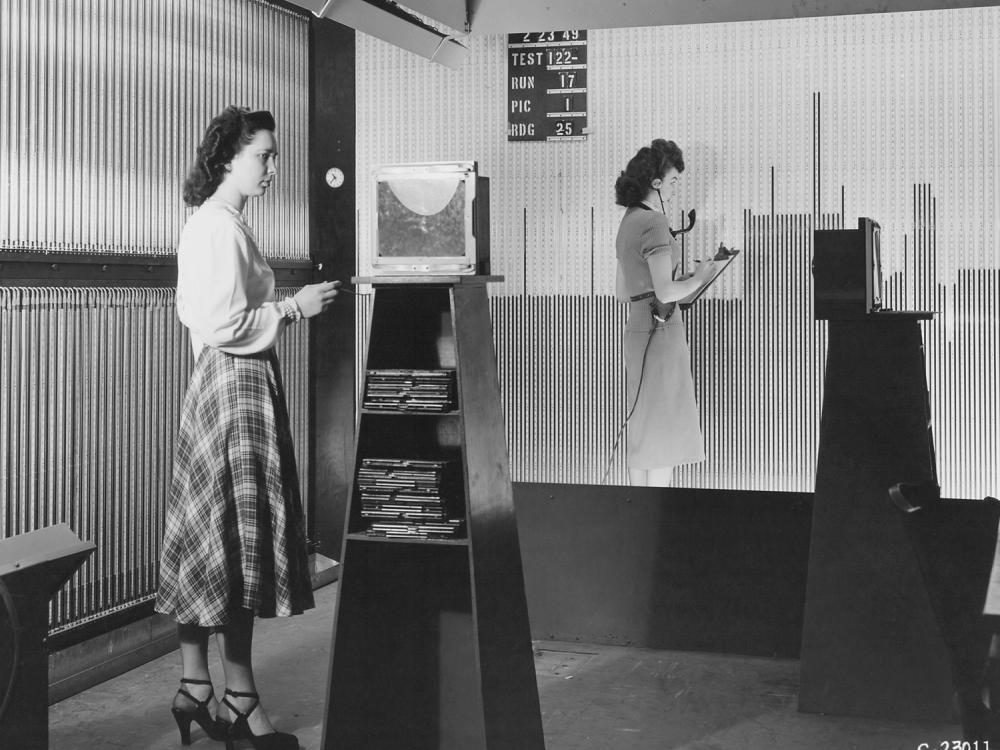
592,698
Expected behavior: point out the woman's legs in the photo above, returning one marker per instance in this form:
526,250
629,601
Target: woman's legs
650,477
659,477
194,666
235,643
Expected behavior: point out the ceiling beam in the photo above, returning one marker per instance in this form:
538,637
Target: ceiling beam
454,14
392,23
508,16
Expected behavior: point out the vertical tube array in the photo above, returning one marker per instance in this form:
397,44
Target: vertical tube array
104,104
293,360
93,385
103,107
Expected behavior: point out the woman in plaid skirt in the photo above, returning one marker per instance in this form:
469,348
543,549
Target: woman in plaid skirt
234,545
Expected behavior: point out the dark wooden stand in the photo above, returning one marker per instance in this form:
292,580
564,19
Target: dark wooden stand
432,647
870,646
33,566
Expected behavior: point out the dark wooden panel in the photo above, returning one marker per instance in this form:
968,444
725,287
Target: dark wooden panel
400,675
683,569
870,646
510,694
332,240
432,647
415,329
33,566
107,270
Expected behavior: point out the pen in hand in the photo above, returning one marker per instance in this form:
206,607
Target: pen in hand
355,292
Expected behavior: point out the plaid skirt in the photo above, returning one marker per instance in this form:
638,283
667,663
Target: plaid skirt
235,533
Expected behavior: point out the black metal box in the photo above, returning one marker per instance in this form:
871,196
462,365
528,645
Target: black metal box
847,271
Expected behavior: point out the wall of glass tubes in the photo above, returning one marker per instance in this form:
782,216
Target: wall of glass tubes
787,126
103,105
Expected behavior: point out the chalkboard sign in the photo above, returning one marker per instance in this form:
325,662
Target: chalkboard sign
547,86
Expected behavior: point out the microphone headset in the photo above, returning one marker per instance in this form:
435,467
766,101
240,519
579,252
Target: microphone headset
656,185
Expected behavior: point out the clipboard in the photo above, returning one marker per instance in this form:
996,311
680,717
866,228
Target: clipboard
722,266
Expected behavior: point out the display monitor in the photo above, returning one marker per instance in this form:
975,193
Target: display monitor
430,218
847,271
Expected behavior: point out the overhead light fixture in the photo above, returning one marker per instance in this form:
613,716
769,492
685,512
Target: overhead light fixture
388,21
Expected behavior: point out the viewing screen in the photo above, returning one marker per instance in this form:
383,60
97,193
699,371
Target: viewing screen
421,217
876,267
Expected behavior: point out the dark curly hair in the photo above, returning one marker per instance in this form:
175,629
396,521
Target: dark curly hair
650,163
225,135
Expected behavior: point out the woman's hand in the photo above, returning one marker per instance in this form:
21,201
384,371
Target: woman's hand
313,299
704,271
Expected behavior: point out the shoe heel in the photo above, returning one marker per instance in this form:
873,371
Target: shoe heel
184,725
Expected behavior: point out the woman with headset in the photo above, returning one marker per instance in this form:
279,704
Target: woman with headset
663,429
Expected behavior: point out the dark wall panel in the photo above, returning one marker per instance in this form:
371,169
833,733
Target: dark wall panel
332,235
683,569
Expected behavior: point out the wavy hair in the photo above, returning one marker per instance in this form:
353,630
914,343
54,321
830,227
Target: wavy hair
650,163
225,136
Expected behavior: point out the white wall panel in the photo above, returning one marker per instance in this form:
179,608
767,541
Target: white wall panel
786,126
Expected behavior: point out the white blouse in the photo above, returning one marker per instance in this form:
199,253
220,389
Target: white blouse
225,289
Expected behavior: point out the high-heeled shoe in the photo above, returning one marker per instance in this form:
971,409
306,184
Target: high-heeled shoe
215,728
240,728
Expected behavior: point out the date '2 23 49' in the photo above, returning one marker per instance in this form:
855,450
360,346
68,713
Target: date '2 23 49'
955,745
541,37
554,56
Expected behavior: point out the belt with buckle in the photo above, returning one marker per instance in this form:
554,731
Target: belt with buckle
644,295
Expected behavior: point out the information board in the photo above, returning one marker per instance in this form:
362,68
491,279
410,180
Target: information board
547,86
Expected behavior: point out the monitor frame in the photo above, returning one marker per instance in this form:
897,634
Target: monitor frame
428,263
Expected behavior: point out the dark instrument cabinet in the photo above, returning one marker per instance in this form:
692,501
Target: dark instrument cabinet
432,647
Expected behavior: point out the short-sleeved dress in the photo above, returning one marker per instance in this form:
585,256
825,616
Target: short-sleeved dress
235,533
663,430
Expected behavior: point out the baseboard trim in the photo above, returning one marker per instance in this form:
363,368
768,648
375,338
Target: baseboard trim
90,663
82,665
